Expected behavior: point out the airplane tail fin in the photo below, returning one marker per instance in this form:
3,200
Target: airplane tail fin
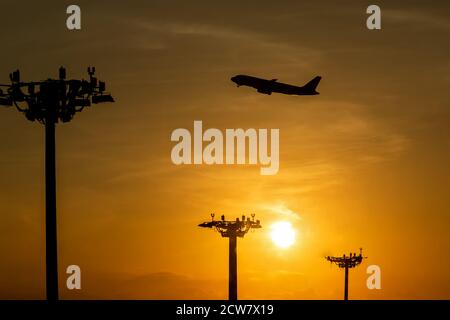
312,85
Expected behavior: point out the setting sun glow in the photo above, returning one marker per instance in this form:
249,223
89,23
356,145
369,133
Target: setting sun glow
282,234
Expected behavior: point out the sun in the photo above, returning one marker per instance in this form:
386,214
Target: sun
282,234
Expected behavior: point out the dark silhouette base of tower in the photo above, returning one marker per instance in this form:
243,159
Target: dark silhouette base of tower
232,262
51,244
232,230
347,262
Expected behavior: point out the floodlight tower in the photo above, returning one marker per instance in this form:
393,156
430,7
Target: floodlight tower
347,262
232,230
49,102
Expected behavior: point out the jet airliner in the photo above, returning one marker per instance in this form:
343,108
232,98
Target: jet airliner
268,86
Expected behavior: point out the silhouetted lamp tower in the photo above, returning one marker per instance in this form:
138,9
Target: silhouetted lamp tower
347,262
49,102
232,230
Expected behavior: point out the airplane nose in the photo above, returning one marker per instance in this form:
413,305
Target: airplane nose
235,79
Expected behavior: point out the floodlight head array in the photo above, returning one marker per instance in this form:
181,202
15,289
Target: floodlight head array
53,99
345,261
237,228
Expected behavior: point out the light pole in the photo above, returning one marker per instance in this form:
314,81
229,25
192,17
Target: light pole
232,230
49,102
347,262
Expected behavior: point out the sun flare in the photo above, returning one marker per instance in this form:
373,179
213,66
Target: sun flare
282,234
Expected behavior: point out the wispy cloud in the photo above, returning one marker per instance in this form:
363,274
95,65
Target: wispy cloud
422,19
281,210
291,53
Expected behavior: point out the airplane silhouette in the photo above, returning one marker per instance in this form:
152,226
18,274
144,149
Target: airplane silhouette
269,86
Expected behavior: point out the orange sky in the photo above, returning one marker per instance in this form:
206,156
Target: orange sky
364,164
